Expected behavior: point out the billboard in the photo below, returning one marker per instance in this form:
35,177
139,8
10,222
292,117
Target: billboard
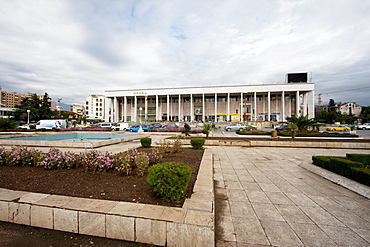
298,77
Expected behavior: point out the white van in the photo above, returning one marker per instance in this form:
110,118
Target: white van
120,126
51,124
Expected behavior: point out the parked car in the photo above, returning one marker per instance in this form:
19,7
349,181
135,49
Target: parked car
155,125
239,126
283,128
25,126
338,128
105,125
137,127
365,126
120,126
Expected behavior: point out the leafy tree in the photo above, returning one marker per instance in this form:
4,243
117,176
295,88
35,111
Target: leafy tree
328,116
301,123
39,109
6,123
365,114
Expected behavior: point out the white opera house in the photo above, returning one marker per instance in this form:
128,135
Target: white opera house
266,102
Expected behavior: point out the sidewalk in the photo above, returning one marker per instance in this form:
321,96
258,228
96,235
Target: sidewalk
264,198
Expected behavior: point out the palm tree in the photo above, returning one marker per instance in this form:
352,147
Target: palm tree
302,123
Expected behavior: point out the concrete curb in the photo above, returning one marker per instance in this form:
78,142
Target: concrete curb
338,179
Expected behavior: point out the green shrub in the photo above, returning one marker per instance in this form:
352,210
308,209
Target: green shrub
176,147
361,175
170,180
197,143
322,161
363,158
344,162
345,167
324,134
142,163
146,142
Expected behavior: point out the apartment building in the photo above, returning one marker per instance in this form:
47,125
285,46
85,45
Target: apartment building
94,107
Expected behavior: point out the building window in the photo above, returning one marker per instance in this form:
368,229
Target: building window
198,111
221,99
210,99
233,99
197,99
164,100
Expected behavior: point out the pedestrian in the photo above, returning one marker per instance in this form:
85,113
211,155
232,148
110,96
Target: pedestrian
187,129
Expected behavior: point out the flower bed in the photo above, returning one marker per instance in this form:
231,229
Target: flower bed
92,174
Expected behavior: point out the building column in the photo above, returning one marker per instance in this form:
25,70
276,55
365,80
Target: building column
191,108
203,110
156,108
283,106
124,108
115,109
297,104
304,103
135,108
107,109
241,115
168,107
146,109
216,120
228,107
311,104
268,105
255,106
179,115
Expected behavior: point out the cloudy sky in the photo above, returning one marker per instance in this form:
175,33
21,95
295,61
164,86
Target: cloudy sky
71,49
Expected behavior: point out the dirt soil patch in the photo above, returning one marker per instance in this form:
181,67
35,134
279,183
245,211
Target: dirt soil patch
109,185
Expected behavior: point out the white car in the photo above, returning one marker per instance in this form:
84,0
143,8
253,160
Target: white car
365,126
239,126
26,126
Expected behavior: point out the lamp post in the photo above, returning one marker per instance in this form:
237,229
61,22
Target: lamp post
28,116
60,108
140,128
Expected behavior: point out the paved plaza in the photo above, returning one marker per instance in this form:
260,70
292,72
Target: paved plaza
264,198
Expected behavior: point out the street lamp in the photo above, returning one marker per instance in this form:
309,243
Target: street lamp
140,109
60,108
28,116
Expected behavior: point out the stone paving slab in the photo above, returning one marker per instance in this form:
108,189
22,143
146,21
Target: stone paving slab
269,200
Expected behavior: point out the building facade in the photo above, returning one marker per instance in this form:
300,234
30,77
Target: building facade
79,109
10,99
269,102
350,108
94,108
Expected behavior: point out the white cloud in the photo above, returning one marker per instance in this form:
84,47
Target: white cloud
71,49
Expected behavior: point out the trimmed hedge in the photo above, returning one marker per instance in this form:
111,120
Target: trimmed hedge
354,170
253,132
323,134
363,158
